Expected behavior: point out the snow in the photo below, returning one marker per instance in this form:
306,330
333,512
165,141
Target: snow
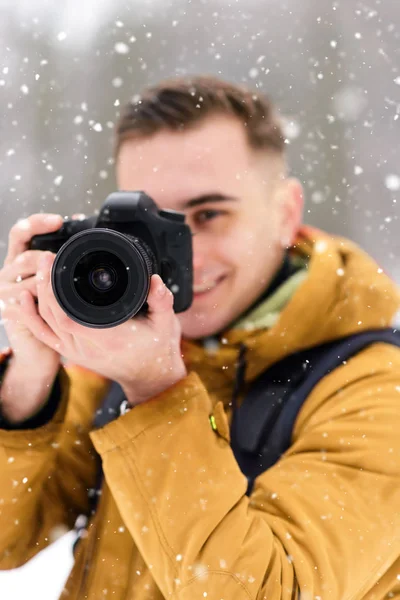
32,581
392,182
121,48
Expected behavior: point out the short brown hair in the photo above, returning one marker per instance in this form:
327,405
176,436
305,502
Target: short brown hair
178,103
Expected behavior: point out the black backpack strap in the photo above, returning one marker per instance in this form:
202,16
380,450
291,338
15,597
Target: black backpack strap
262,426
110,409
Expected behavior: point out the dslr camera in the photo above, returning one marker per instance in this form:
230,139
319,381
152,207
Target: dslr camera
103,266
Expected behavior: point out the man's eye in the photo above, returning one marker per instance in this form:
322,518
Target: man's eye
207,215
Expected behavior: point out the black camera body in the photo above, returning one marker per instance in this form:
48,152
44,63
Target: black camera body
102,271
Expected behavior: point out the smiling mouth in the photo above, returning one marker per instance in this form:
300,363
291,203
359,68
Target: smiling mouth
204,288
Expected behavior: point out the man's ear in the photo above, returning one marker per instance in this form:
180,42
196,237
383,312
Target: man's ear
292,203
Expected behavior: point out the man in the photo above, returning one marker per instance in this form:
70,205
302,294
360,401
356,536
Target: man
173,519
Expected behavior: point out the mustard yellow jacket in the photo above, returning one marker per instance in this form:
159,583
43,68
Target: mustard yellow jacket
174,520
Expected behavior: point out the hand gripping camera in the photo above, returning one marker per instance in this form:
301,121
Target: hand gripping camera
101,274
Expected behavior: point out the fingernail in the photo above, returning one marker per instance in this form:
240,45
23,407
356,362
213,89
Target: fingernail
161,290
53,220
24,224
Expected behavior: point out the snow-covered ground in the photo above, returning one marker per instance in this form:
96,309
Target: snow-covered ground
43,577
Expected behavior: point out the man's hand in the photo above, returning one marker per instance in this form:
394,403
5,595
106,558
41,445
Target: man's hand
143,354
19,274
34,365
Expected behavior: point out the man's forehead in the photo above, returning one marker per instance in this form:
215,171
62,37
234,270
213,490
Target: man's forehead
161,156
157,143
213,139
171,171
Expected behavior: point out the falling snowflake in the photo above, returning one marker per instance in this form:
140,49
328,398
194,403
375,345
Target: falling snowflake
121,48
392,182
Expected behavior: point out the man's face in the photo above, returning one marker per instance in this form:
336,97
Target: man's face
238,205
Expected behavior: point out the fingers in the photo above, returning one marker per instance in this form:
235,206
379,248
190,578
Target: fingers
40,318
18,276
44,290
49,308
37,318
25,265
10,293
8,311
22,232
35,323
160,299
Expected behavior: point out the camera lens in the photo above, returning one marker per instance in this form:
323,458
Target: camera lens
101,277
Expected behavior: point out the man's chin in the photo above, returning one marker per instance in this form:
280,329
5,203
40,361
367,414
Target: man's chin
200,325
196,328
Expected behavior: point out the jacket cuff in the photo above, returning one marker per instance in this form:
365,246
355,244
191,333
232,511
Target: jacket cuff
173,402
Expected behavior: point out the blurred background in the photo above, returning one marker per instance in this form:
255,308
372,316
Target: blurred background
331,66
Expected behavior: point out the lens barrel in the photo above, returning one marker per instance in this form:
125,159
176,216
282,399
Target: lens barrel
101,277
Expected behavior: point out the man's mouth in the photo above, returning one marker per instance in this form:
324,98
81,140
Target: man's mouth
207,286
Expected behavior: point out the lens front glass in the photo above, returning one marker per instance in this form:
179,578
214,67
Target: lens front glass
103,278
100,278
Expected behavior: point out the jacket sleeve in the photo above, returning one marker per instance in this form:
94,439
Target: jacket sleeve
46,472
323,522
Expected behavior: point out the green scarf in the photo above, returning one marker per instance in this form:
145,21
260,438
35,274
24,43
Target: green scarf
267,313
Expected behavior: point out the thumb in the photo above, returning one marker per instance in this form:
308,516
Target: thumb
160,299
